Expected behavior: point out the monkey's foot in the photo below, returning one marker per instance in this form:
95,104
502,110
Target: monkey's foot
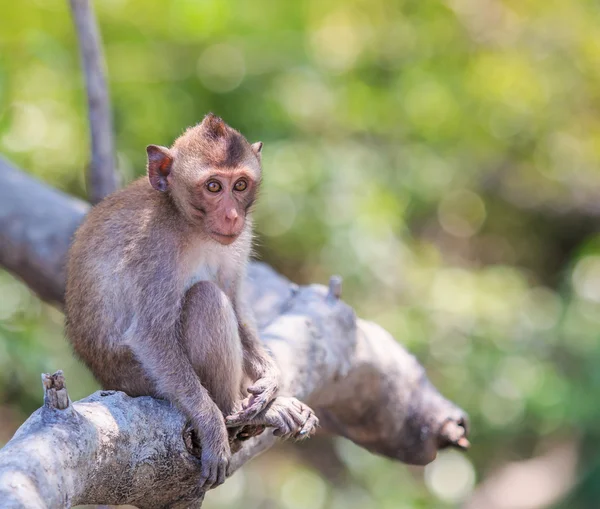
290,417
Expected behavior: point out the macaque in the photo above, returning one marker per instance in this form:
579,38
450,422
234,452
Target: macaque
154,300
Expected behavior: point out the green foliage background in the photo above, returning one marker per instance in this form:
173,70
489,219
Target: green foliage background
442,156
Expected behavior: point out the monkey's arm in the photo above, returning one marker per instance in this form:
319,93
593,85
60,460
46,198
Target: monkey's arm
258,362
159,350
259,366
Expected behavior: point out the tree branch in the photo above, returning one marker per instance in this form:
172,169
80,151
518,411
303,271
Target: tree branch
36,226
112,449
102,175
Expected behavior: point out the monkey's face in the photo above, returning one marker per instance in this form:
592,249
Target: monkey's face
212,173
221,202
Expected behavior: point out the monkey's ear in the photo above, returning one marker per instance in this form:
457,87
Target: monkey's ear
160,161
257,148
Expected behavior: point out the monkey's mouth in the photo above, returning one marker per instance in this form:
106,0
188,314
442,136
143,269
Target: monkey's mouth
224,238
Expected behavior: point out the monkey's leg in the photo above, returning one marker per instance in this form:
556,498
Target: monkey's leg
211,339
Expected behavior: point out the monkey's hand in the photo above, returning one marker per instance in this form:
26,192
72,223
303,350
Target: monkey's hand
215,455
262,393
290,417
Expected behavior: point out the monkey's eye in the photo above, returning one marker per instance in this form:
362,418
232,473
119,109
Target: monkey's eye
240,185
213,186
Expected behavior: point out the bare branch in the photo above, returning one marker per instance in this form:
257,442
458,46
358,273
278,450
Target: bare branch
102,176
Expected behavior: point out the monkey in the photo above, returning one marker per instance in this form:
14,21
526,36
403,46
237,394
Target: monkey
154,298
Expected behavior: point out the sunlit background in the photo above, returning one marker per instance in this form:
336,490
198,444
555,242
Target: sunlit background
442,156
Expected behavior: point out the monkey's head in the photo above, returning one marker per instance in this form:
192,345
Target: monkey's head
212,174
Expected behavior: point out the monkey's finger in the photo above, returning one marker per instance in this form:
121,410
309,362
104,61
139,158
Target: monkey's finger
236,417
208,474
256,389
203,481
282,432
231,421
207,485
307,422
289,426
305,413
283,425
308,429
259,420
247,402
300,419
221,474
310,426
258,403
213,476
243,416
296,417
204,473
265,389
298,404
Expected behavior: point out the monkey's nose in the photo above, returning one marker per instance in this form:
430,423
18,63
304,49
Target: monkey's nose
231,215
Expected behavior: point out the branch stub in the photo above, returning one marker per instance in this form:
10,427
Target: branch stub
55,391
335,288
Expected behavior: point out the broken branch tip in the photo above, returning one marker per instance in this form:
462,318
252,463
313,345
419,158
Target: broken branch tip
335,287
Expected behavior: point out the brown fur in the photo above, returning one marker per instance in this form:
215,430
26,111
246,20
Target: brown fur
220,145
154,303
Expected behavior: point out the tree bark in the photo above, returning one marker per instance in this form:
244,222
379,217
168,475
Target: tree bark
113,449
